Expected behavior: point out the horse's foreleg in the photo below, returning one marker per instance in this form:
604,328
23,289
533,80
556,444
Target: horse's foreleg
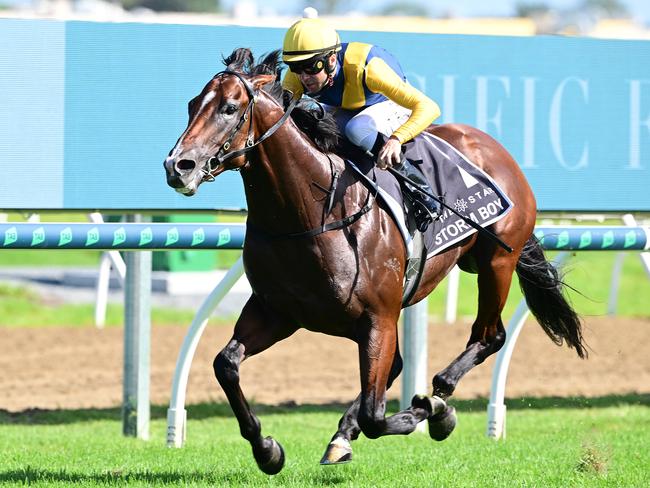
256,330
339,449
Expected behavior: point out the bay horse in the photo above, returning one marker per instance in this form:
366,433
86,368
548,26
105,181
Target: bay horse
330,259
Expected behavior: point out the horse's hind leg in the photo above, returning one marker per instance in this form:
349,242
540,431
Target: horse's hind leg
488,333
339,449
257,329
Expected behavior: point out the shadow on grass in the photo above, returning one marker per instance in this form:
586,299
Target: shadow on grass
32,475
207,410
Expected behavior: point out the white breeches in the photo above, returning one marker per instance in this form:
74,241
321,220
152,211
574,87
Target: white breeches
362,127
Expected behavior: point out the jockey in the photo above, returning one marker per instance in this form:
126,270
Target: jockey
365,88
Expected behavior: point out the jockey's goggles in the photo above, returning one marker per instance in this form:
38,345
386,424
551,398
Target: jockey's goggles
311,66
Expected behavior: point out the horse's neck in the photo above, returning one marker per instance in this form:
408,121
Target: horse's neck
282,180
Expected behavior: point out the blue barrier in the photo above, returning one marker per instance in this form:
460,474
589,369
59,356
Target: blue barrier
123,236
590,238
161,236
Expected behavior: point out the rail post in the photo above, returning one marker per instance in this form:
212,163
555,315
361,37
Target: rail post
137,339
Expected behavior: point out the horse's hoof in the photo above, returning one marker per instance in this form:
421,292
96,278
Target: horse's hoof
432,405
339,451
442,425
269,456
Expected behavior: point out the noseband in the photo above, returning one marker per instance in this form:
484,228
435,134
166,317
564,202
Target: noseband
223,154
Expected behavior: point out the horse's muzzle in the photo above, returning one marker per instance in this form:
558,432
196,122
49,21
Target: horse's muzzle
181,175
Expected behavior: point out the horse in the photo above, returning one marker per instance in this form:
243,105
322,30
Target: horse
328,258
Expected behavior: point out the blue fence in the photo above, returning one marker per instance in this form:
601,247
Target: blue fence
88,111
121,236
231,236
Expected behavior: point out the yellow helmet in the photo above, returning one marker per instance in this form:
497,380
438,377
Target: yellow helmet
308,38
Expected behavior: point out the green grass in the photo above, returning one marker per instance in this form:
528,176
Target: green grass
20,307
588,272
551,442
40,258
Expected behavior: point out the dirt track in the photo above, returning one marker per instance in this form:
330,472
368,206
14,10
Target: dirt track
81,368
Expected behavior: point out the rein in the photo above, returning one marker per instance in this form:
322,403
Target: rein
222,155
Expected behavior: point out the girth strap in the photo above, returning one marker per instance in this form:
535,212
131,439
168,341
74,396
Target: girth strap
338,224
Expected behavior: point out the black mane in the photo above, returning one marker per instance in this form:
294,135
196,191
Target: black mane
317,124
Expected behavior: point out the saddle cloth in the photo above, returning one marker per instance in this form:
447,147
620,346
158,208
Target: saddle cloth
461,184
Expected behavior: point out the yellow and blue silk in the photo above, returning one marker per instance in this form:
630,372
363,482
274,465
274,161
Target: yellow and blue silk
366,75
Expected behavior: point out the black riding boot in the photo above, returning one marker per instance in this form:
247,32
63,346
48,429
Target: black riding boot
426,208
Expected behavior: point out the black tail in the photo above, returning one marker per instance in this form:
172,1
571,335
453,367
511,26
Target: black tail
542,287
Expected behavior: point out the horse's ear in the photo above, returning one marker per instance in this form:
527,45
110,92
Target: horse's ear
258,81
192,106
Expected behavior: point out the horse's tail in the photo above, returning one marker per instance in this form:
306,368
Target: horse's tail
543,289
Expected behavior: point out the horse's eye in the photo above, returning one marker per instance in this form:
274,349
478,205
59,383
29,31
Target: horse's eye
229,109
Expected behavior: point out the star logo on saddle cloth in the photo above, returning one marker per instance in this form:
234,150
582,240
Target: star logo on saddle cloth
461,205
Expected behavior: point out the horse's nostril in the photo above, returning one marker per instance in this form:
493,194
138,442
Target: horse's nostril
185,165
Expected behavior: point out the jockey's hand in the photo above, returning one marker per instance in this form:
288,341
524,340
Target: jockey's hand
390,154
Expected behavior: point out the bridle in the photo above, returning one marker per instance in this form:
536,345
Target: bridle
224,154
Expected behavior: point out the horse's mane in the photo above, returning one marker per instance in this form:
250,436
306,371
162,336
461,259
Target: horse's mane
317,124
